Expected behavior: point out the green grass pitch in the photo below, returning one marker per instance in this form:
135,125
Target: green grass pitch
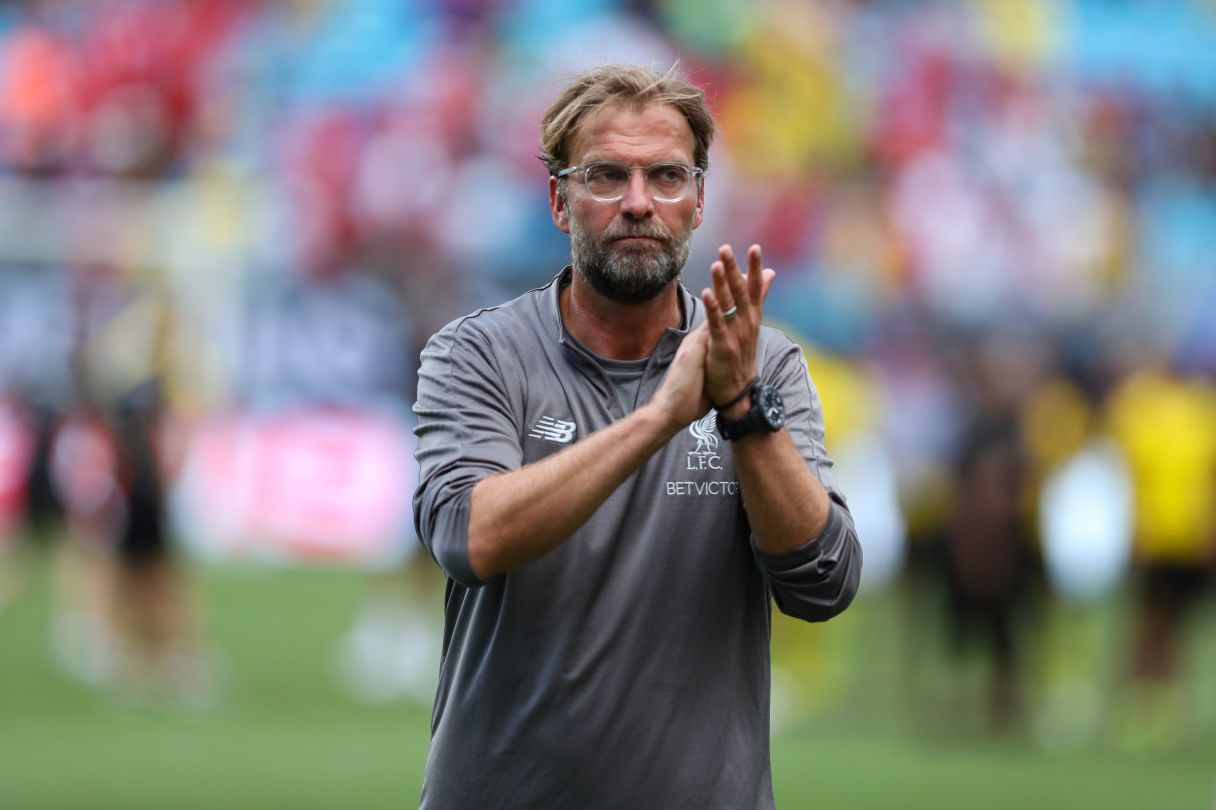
856,730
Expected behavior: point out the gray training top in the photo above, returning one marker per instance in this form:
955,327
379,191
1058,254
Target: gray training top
628,668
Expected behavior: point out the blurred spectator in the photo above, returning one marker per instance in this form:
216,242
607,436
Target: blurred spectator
160,646
319,186
988,552
1166,425
116,458
1083,505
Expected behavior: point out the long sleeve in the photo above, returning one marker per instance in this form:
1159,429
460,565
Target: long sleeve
466,431
820,579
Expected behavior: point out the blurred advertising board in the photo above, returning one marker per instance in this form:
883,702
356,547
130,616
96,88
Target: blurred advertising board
309,486
16,448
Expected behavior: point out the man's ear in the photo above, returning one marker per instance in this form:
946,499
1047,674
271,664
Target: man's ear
557,206
700,212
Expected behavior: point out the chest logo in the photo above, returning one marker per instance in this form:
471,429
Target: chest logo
553,430
705,455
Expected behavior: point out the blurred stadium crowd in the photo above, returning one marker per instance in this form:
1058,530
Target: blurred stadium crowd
991,222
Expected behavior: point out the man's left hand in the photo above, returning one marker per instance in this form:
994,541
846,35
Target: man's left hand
734,308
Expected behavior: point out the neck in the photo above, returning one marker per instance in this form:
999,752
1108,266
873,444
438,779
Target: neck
619,331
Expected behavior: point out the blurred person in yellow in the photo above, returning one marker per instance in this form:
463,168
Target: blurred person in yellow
125,381
1082,500
1166,425
619,478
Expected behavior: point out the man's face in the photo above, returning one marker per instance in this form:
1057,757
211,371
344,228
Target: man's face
631,249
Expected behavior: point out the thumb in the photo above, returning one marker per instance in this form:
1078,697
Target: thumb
766,277
695,344
700,339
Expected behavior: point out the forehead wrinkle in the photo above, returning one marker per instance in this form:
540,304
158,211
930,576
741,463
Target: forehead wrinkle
633,136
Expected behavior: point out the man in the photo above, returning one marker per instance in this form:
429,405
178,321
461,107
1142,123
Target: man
610,553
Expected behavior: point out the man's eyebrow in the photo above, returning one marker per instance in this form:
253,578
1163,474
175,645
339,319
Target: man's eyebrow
600,159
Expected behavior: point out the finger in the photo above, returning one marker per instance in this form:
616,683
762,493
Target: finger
734,279
726,254
716,321
713,313
700,338
755,276
694,344
723,297
767,281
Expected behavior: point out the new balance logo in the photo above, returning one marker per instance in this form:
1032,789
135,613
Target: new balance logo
553,430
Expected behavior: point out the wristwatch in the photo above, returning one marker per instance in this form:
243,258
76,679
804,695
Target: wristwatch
766,415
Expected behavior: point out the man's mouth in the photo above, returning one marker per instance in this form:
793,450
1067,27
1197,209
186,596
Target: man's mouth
637,239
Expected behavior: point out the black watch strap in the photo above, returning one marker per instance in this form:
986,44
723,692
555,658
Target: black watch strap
766,414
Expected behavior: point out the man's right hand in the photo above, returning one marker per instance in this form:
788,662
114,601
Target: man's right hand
519,516
681,398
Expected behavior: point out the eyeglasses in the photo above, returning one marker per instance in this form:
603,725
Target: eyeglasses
607,180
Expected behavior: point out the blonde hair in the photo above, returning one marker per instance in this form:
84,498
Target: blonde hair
622,84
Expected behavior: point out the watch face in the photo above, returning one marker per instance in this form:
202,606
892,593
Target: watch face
771,407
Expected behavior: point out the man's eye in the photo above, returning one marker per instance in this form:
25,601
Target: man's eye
608,174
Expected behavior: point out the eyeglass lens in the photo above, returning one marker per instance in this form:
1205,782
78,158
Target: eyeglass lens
667,181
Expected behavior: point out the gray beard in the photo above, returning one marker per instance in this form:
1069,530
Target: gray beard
628,275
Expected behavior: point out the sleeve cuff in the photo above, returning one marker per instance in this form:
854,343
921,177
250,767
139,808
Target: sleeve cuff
819,579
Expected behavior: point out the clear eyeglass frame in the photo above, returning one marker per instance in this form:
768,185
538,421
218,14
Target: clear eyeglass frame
607,180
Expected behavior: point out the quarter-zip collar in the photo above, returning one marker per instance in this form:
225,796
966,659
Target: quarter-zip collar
669,342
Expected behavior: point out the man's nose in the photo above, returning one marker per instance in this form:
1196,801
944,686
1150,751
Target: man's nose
637,202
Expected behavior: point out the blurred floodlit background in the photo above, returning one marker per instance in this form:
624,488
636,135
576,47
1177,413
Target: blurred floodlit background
228,227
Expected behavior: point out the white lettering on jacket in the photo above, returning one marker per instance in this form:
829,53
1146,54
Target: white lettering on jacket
679,488
703,456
